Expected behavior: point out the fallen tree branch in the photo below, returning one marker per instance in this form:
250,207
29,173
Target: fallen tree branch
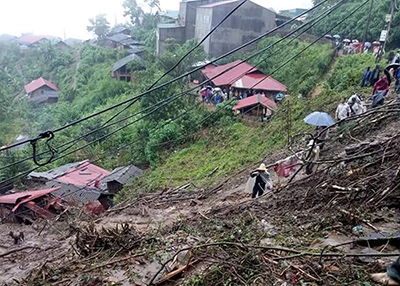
19,249
115,261
359,218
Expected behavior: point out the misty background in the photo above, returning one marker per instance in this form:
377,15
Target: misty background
69,18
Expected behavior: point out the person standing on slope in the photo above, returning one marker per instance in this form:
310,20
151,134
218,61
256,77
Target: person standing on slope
343,110
262,181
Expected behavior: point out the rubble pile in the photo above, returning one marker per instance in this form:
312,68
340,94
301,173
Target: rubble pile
122,238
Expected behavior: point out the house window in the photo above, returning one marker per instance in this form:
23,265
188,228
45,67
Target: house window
42,91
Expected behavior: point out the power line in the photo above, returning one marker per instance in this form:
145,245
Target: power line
45,135
184,92
108,135
250,57
303,50
186,55
316,21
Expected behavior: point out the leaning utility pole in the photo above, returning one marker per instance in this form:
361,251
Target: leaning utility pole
385,33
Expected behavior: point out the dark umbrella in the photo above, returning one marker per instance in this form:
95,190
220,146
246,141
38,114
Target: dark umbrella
392,66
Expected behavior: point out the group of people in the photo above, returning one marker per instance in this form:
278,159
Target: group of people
351,107
217,95
369,77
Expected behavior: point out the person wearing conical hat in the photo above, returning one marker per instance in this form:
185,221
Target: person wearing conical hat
262,181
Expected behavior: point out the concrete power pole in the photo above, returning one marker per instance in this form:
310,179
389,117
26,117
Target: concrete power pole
385,33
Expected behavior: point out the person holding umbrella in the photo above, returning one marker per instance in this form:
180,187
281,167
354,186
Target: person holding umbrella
321,121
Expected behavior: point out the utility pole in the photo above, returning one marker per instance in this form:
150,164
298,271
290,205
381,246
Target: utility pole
389,25
368,22
385,33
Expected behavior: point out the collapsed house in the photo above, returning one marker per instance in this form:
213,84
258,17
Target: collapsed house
86,183
121,176
26,207
77,183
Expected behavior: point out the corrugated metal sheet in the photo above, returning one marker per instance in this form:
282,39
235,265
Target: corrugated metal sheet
74,193
126,60
226,79
85,174
254,100
38,83
55,173
24,197
252,81
124,175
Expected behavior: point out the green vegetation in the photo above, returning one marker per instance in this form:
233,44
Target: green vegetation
354,27
230,145
200,146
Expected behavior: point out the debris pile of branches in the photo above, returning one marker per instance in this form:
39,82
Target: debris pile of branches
243,264
122,238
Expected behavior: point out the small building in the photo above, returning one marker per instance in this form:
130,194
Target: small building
255,107
120,29
79,182
73,41
5,38
121,69
33,41
28,206
121,176
122,41
170,15
243,76
42,91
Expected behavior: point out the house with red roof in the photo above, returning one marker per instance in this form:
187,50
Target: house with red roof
33,41
243,77
42,91
80,183
256,107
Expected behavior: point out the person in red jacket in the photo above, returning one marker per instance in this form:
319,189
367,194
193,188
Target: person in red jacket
381,85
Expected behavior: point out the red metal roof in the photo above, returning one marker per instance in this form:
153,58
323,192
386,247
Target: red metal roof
30,39
231,75
24,197
85,174
219,4
260,82
254,100
38,83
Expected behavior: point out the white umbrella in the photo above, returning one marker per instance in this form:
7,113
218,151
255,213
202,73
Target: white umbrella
346,41
337,37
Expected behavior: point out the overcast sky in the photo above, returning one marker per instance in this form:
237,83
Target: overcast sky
56,17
